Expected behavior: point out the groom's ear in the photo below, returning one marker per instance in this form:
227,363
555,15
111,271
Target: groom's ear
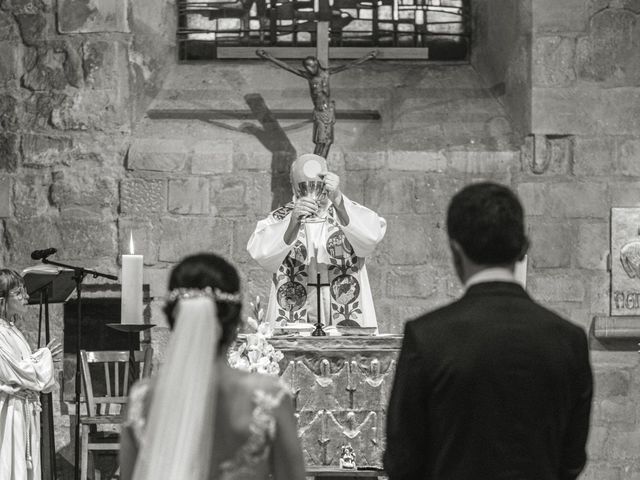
455,247
458,257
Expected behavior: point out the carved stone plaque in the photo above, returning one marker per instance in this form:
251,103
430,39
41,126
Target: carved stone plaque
625,261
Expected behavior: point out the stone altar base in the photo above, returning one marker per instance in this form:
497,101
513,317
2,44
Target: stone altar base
341,387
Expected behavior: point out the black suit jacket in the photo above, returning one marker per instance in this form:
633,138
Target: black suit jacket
492,386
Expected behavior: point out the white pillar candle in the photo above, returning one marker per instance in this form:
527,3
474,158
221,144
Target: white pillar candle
131,280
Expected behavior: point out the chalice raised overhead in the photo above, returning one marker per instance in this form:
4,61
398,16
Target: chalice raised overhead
314,190
306,176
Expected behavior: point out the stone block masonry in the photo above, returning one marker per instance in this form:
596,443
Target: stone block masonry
189,195
594,68
81,168
6,192
183,236
157,155
77,16
210,157
585,76
141,197
9,65
549,248
9,151
41,150
69,96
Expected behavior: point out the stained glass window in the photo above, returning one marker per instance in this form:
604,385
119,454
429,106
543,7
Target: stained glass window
439,26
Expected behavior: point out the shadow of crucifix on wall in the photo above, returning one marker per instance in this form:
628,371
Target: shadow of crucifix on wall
268,131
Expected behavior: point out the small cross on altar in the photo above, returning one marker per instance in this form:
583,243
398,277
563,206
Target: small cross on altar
319,331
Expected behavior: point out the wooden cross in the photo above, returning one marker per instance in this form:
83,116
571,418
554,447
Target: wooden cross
323,11
322,31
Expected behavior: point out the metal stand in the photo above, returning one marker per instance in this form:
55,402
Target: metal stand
48,446
45,287
78,276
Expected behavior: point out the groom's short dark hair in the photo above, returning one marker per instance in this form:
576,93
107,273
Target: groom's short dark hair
487,220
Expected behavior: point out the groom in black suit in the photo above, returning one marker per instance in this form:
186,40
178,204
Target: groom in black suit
493,386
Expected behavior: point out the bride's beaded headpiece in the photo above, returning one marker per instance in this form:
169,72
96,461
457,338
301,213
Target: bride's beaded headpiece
215,294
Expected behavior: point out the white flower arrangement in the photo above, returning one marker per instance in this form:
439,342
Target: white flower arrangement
255,353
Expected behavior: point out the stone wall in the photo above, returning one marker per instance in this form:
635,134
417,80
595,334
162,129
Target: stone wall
586,143
501,53
74,77
581,159
71,91
82,167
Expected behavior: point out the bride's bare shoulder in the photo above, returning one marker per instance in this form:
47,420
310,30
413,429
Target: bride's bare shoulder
257,382
268,383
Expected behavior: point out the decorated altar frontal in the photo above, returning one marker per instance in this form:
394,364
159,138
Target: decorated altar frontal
341,388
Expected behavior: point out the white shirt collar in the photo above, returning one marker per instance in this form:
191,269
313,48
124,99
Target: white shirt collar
493,274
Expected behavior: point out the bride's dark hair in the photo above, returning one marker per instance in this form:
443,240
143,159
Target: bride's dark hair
208,270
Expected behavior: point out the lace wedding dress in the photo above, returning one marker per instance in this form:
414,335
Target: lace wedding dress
252,460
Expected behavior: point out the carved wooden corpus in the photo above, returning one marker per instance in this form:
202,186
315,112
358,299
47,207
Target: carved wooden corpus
341,387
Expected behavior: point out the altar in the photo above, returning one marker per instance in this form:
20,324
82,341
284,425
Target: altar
341,389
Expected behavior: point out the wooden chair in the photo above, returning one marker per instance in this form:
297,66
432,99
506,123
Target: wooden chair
105,395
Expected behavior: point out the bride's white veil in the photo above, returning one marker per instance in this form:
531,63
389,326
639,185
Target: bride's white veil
178,437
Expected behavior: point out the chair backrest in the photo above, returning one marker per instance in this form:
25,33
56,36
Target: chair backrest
109,386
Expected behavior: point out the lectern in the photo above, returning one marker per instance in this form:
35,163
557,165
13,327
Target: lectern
45,285
77,274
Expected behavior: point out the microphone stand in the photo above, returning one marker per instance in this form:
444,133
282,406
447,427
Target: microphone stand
78,277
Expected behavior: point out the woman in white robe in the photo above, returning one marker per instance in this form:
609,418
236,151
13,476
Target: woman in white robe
336,248
23,375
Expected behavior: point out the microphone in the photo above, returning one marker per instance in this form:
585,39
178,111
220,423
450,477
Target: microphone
39,254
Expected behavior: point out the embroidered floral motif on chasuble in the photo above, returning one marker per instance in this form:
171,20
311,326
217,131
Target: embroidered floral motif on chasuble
337,252
292,279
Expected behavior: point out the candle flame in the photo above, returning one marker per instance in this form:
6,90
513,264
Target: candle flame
131,243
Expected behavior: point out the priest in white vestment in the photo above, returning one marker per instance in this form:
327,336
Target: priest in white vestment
23,375
336,247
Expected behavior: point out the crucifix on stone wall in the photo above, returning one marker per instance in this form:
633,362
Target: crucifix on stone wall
317,72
